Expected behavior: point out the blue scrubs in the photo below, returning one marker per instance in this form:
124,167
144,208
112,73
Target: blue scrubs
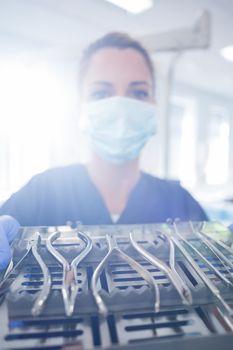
68,194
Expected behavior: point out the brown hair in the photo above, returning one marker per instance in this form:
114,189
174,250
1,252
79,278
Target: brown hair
113,40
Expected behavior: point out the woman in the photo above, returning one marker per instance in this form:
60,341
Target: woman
118,116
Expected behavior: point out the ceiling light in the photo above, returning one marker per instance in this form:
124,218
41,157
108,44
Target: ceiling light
227,53
133,6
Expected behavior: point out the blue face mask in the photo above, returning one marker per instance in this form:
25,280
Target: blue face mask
118,127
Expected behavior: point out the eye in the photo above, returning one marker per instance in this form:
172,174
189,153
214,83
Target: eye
139,94
99,94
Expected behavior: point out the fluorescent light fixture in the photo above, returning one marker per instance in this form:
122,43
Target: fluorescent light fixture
227,53
133,6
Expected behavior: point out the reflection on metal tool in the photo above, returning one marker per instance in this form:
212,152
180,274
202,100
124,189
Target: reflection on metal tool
9,268
170,271
69,279
32,246
114,249
176,237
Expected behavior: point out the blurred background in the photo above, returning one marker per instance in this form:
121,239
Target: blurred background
191,43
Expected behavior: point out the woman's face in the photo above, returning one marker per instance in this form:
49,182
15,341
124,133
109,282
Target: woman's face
117,72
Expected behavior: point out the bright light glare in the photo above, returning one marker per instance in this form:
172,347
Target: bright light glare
133,6
227,53
31,110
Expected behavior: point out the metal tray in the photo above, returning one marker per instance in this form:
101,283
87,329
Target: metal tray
131,322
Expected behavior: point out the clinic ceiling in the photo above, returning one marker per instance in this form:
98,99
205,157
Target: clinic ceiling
59,29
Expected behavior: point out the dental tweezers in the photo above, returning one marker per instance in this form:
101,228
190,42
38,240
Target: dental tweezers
211,242
32,247
204,259
170,270
114,249
175,236
69,277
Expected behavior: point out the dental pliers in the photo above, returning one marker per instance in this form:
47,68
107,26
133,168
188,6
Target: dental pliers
69,277
170,270
12,271
114,249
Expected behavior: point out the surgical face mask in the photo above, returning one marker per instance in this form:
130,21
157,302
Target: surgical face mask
118,127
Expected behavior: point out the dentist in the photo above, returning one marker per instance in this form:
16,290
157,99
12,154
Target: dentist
118,116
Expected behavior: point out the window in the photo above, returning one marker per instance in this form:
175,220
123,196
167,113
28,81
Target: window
182,141
217,143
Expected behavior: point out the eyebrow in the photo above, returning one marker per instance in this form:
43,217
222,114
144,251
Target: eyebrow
135,83
132,84
105,83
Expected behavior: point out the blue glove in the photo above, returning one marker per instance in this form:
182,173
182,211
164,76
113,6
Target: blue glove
8,230
231,227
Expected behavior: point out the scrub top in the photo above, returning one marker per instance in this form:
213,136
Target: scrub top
67,194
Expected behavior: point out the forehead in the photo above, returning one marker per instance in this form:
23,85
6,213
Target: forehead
117,64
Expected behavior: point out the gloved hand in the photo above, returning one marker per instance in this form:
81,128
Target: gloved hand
8,231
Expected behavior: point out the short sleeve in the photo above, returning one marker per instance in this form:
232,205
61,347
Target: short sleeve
21,205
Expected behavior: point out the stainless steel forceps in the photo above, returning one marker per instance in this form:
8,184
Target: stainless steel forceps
177,238
216,252
69,276
32,247
212,244
222,245
114,249
170,270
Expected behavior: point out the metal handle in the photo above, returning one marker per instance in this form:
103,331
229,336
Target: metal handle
114,248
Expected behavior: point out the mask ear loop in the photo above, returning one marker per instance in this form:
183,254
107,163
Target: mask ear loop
114,249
